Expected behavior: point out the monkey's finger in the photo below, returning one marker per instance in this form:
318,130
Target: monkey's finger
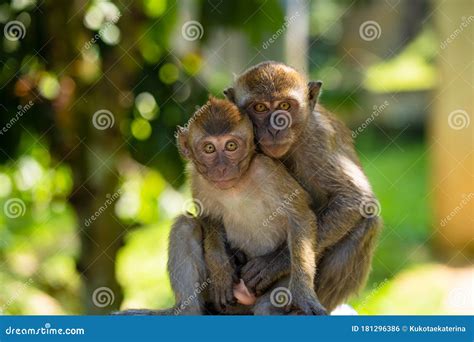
318,310
252,268
230,298
222,301
252,282
253,276
217,300
263,285
224,297
235,278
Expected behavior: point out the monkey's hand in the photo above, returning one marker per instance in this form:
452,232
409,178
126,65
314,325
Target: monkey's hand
304,301
260,273
223,278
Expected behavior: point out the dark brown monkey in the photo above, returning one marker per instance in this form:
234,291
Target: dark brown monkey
260,205
318,151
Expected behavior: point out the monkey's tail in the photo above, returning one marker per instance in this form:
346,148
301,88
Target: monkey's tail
146,312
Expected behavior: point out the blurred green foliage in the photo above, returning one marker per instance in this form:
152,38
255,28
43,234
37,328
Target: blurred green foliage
160,85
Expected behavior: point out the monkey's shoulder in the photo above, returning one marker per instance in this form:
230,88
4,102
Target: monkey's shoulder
279,182
331,132
270,168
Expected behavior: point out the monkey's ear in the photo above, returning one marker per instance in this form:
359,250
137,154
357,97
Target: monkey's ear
181,136
230,94
314,89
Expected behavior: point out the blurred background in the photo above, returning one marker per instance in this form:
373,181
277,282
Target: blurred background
90,178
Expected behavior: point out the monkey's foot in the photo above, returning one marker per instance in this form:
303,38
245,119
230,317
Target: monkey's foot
308,305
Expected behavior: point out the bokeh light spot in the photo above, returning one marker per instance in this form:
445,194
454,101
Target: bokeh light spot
141,129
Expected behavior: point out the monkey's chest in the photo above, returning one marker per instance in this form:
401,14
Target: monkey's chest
253,224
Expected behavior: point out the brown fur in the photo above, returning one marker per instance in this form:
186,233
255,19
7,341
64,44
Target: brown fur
323,161
321,156
262,81
217,117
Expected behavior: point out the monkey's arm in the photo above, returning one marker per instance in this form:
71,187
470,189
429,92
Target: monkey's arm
346,208
301,243
337,173
262,272
221,271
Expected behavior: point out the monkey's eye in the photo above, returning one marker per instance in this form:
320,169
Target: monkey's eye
231,146
209,148
260,107
284,106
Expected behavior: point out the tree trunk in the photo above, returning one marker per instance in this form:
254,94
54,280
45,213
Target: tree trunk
92,151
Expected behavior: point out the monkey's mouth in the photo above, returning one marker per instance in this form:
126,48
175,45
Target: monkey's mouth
275,149
224,184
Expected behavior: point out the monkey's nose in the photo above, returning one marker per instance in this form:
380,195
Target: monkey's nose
222,170
273,131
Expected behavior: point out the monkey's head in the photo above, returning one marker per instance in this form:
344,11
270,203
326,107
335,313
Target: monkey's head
219,141
278,100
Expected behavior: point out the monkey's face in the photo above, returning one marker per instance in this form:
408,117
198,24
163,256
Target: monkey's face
275,122
222,159
219,141
276,99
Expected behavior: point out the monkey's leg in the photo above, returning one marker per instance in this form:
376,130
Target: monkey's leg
344,267
186,265
186,268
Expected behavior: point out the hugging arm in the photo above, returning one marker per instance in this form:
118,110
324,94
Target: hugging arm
302,249
220,269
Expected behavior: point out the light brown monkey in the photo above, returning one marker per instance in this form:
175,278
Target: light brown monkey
260,205
318,151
